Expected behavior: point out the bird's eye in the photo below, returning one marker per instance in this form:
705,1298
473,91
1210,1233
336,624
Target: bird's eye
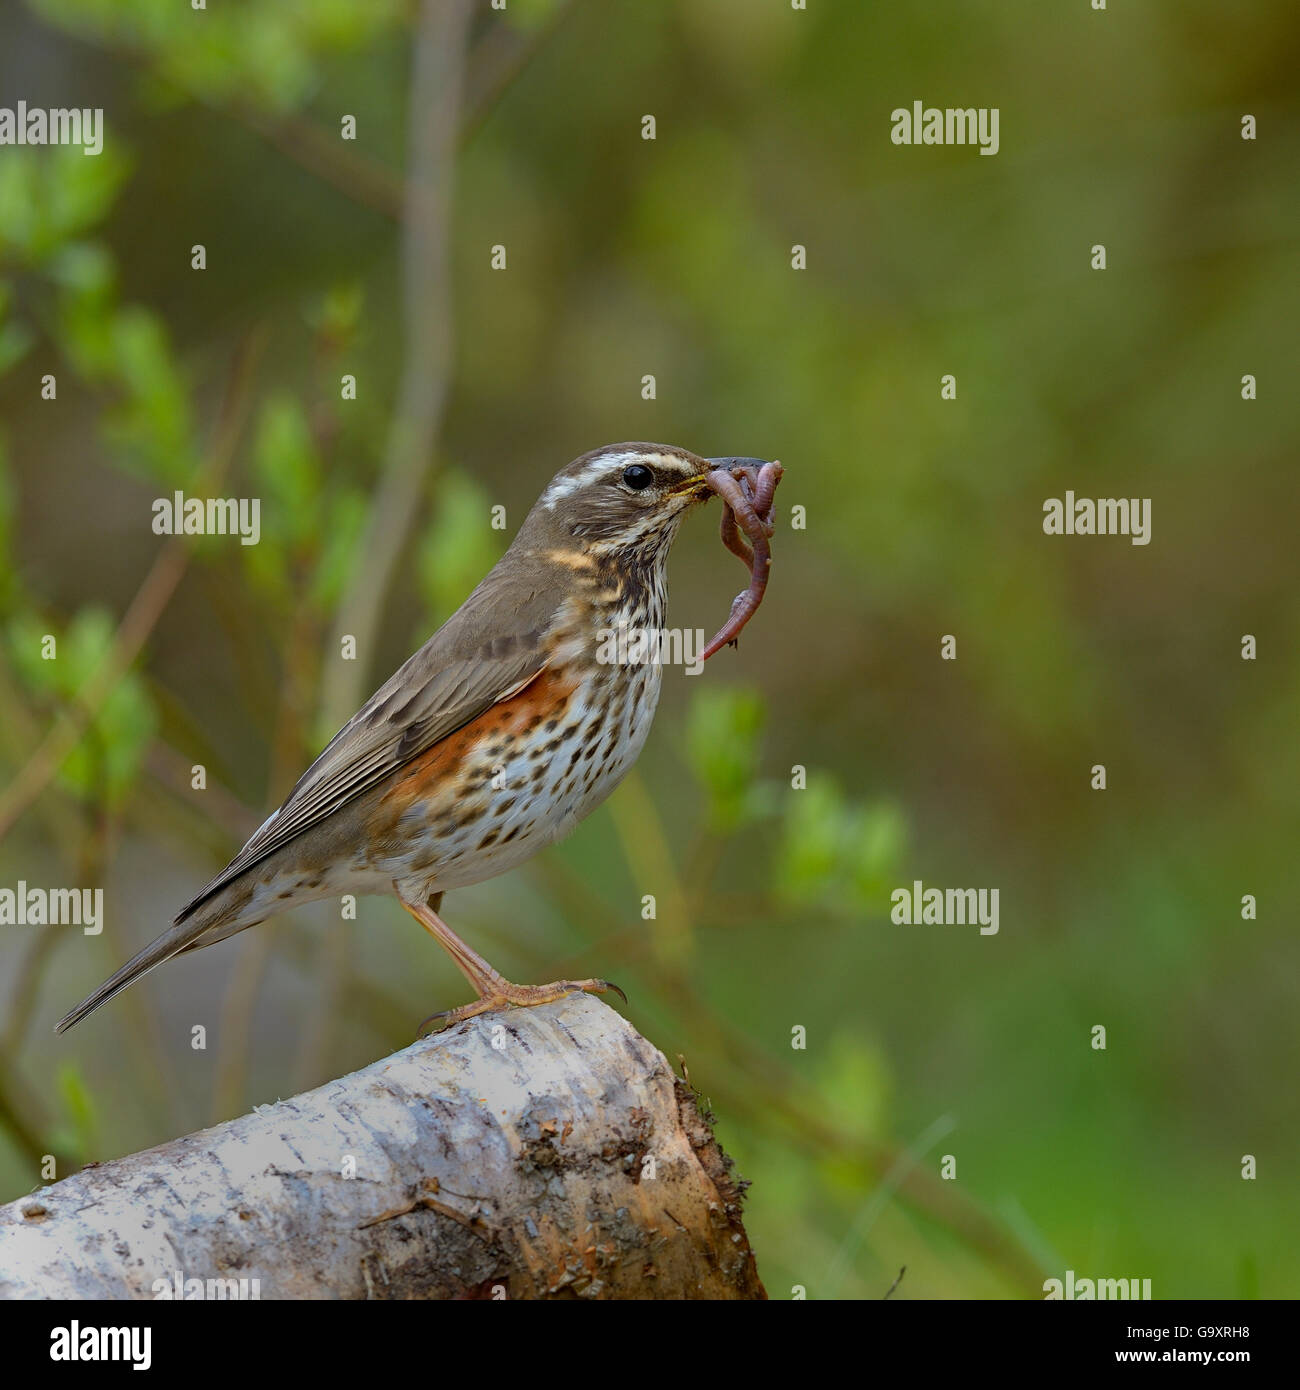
638,476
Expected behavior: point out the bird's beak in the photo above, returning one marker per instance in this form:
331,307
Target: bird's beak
698,484
731,464
694,485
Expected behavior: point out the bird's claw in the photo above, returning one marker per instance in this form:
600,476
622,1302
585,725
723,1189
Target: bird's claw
515,996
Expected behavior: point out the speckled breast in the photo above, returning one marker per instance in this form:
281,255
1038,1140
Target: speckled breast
526,771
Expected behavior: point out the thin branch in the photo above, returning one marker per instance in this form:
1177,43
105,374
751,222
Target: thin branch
437,74
322,153
141,617
434,121
499,57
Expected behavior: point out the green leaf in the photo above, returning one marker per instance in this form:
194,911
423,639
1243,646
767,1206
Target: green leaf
337,313
288,470
723,730
51,194
18,215
8,505
876,845
854,1086
338,556
152,426
86,277
808,861
16,340
458,547
77,191
25,634
76,1135
105,764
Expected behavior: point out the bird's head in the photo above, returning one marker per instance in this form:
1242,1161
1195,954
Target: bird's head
626,501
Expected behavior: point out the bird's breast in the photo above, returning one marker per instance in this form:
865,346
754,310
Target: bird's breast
525,772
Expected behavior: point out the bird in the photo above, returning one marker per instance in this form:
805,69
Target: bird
491,742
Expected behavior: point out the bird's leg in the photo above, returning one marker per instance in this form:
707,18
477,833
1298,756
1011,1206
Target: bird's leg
493,989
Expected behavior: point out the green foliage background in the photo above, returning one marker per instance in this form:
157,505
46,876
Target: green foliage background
672,257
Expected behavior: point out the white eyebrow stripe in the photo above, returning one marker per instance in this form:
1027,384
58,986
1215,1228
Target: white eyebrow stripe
602,463
563,487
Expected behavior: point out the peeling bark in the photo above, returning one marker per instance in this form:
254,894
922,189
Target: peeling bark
541,1153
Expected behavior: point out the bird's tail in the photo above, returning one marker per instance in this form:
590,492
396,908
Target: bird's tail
202,923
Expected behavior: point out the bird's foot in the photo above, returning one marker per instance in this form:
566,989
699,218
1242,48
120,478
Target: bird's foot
504,995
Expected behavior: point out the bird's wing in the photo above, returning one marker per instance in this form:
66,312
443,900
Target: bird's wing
486,652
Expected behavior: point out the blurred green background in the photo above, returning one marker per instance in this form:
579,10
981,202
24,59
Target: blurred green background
672,258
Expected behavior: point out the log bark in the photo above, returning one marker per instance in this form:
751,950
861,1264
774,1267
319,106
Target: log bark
540,1153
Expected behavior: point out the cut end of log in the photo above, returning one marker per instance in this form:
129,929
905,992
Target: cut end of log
540,1153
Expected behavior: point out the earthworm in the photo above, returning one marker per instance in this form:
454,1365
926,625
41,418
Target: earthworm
765,491
732,539
747,494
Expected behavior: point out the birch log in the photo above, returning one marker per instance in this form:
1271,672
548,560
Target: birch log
542,1153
